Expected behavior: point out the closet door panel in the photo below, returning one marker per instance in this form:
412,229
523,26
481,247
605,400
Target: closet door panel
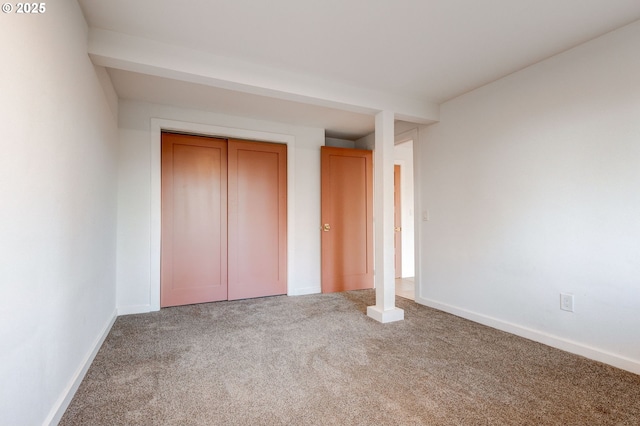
194,220
257,206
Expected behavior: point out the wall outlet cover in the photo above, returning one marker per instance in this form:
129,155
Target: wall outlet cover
566,302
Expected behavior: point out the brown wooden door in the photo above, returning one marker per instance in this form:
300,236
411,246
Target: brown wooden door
347,219
257,219
397,218
194,220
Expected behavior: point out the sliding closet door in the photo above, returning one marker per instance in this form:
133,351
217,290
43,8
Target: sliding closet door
194,220
257,219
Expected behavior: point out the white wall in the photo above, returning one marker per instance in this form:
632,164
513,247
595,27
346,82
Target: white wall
58,212
137,271
366,142
339,143
533,188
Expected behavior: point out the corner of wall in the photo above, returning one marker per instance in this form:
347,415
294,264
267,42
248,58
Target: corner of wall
109,92
70,390
366,142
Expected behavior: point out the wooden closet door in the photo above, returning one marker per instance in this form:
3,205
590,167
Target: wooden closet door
194,220
257,219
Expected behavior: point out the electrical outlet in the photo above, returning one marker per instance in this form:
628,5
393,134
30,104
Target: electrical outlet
566,302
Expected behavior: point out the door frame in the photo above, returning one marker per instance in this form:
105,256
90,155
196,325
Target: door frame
418,205
158,125
397,216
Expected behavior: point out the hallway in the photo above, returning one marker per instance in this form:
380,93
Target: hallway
405,287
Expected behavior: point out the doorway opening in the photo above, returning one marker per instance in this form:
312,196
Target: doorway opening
405,219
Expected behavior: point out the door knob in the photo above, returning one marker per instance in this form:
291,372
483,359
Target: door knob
397,229
326,227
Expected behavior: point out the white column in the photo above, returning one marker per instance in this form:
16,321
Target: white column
385,308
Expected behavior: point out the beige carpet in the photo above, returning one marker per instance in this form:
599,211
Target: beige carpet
319,360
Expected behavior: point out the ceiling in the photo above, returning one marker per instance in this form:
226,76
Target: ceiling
332,63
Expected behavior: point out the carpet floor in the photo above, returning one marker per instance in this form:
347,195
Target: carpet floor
319,360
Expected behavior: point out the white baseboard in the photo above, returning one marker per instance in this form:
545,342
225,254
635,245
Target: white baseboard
567,345
67,395
134,309
304,291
